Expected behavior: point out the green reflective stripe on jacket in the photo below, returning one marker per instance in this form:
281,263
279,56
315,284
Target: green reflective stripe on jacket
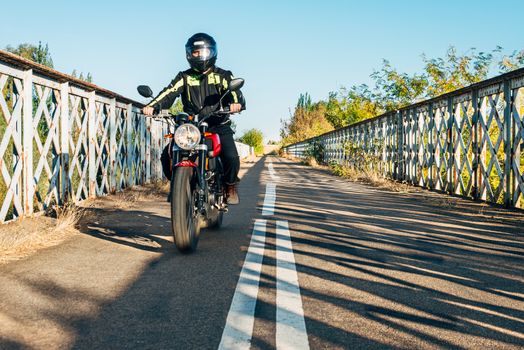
193,80
175,87
196,90
214,79
235,96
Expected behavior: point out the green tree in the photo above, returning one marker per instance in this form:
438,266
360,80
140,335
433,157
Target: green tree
39,54
455,71
395,90
87,78
346,107
177,107
511,62
255,139
307,120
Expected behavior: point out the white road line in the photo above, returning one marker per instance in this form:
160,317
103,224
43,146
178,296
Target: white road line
241,317
291,327
272,171
269,199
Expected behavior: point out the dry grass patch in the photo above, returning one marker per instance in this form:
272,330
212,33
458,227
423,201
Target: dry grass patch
371,177
131,196
25,236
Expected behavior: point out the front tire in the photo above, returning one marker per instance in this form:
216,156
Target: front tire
185,219
217,215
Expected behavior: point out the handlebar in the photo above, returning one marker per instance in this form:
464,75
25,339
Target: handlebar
166,114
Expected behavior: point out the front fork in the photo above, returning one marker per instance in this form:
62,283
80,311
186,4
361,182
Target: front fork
200,172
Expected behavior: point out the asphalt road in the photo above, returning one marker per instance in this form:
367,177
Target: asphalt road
306,260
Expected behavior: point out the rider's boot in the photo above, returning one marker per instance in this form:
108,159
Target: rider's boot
232,194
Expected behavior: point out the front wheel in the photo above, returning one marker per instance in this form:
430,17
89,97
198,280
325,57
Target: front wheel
185,219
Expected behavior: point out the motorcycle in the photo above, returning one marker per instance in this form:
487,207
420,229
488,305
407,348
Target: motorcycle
197,194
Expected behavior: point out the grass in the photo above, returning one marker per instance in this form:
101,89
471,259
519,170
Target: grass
130,196
25,236
368,176
371,177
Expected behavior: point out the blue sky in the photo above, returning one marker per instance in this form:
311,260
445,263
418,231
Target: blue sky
281,48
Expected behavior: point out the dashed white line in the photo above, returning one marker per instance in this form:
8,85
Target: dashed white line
272,171
241,317
269,199
291,326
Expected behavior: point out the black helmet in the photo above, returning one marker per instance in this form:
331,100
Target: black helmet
201,52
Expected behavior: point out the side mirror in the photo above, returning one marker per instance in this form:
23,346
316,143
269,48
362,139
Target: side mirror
182,117
236,84
145,91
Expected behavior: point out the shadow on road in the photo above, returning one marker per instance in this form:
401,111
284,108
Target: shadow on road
403,265
179,301
377,270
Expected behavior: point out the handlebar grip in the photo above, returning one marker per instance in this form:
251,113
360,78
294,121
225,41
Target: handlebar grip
225,111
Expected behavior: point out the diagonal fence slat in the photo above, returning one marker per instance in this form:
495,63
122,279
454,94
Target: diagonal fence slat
62,140
469,142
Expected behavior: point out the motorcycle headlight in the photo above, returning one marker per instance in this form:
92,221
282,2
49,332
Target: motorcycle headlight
187,136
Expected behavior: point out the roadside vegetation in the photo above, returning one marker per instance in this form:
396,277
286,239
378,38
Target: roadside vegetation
41,54
393,90
255,139
24,237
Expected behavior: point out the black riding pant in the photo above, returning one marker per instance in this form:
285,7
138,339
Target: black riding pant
228,156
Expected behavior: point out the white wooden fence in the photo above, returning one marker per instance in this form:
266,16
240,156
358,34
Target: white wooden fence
64,139
244,150
469,142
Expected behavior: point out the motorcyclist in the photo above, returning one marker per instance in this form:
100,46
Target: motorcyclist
200,88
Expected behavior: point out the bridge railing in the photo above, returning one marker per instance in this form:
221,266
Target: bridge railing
64,139
244,150
469,142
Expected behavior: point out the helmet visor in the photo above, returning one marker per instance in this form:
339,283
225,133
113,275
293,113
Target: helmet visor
203,53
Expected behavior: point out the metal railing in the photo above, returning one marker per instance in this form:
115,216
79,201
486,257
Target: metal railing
469,142
64,139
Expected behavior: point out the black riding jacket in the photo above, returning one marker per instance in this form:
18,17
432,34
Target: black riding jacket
199,90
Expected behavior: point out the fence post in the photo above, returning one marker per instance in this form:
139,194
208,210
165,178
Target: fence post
129,145
431,146
449,172
399,151
476,148
416,141
112,145
64,143
27,144
483,180
154,150
143,149
507,143
409,146
385,139
148,149
91,127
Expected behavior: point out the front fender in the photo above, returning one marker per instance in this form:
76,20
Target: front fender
186,164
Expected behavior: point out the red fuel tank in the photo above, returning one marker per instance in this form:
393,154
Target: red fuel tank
215,139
